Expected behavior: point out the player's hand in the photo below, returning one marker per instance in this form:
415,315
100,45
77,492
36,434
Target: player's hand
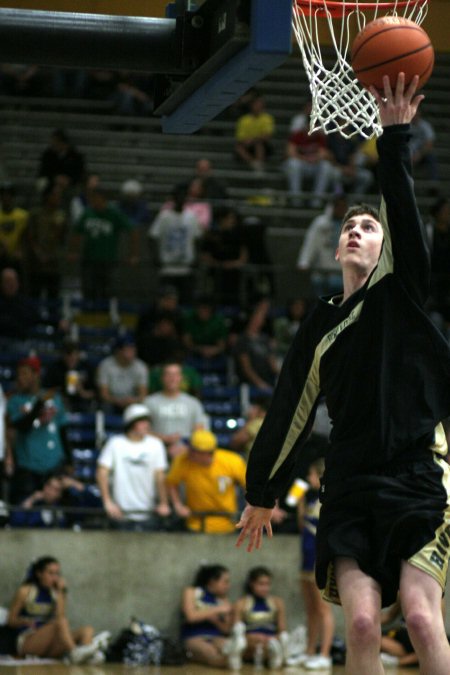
399,106
254,520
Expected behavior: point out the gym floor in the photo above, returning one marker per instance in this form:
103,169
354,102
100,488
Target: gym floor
194,669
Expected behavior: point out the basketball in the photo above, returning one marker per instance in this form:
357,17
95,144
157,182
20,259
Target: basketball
389,46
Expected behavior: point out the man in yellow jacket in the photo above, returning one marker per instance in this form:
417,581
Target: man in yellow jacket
209,476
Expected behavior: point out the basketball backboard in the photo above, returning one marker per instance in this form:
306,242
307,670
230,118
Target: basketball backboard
203,55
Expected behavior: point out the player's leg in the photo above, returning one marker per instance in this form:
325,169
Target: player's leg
360,597
421,597
312,618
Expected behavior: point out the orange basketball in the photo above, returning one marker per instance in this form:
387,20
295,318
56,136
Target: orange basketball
389,46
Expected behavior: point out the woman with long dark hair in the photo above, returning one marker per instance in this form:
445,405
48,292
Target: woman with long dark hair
38,613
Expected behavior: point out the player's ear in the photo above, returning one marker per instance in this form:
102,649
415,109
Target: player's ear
336,255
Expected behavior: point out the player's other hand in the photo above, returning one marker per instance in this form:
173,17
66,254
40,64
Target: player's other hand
399,106
254,520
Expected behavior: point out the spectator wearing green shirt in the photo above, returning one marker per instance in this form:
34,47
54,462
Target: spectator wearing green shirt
204,330
97,233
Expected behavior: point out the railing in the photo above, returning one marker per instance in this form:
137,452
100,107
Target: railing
100,519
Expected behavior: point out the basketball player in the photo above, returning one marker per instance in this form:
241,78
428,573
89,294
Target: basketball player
385,373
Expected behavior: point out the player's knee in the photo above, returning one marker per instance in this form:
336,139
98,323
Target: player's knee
420,625
364,629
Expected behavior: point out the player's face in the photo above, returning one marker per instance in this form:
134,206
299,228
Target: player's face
360,243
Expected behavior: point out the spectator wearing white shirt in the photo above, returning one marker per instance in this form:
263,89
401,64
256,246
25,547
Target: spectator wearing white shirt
131,473
176,230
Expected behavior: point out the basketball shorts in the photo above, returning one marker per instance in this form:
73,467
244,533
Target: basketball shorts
382,519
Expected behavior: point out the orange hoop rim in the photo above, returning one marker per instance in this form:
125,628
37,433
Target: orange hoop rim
339,9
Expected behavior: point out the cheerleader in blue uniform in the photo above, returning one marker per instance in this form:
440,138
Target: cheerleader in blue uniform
264,618
207,620
37,613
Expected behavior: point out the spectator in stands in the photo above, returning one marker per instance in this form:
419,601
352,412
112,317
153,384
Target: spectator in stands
164,307
255,352
61,163
40,508
224,253
208,477
350,172
242,439
260,276
80,201
317,254
38,612
286,325
136,461
122,378
99,229
18,313
253,134
308,157
13,227
176,231
197,203
163,343
132,94
213,187
73,377
37,423
47,232
204,329
207,620
132,204
17,79
191,380
174,415
422,148
440,260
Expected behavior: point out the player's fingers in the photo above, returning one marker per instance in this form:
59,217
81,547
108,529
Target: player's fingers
399,87
387,87
411,90
269,529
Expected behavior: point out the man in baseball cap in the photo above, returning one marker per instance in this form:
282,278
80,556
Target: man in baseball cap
137,464
209,476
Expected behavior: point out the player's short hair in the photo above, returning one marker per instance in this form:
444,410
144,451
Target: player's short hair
360,210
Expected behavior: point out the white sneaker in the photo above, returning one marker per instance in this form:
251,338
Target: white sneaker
318,663
285,645
275,653
82,653
96,659
297,659
235,645
101,640
388,660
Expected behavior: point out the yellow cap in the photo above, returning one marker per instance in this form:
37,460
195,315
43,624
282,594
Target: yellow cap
203,441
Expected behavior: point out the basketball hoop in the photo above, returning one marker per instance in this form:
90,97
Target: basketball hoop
339,102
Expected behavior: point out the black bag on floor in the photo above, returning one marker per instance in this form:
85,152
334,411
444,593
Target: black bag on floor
8,640
144,645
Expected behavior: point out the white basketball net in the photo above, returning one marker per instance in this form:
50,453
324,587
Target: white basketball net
339,102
